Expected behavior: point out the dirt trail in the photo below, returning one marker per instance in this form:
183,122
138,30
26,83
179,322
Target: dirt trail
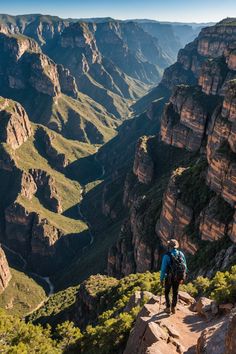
189,325
156,332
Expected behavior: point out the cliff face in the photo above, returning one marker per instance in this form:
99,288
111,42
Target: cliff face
15,125
5,274
143,165
199,201
211,121
175,216
24,65
185,118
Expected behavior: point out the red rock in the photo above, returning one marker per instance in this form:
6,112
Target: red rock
175,216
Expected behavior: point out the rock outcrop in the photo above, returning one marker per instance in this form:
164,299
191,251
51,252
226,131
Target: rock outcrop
47,190
15,124
57,159
185,118
175,216
219,338
67,82
5,274
20,51
44,237
156,333
143,166
213,226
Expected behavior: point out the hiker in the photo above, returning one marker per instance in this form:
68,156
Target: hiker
173,273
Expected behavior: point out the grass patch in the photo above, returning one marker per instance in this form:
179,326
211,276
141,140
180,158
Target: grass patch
17,299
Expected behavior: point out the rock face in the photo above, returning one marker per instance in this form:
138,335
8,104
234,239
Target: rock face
175,216
185,118
58,159
212,227
46,186
67,82
5,274
44,76
155,333
219,338
26,69
44,237
15,124
204,115
33,237
18,226
143,164
199,203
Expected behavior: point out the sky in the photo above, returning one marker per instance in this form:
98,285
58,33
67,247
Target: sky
163,10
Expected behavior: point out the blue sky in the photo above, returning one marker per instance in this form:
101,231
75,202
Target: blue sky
165,10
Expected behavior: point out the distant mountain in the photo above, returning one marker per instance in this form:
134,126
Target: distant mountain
111,77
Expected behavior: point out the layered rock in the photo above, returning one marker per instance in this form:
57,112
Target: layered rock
5,274
185,118
221,176
24,66
212,227
143,166
212,76
175,216
15,124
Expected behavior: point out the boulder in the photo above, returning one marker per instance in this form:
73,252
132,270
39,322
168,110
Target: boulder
186,298
203,307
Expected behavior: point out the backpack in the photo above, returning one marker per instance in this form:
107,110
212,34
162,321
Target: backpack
177,268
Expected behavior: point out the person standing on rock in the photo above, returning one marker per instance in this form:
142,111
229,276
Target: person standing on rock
173,273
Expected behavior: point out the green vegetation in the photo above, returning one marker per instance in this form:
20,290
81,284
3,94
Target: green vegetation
55,307
221,288
17,299
110,328
110,318
20,338
194,191
83,119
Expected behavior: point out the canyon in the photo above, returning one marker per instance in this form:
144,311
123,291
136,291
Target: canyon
109,148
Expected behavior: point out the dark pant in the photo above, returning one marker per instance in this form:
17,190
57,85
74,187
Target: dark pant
170,283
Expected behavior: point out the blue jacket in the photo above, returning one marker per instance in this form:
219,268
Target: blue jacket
166,262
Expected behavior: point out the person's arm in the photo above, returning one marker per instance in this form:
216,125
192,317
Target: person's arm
164,264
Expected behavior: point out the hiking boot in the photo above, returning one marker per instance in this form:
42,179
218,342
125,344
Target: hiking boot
173,310
167,310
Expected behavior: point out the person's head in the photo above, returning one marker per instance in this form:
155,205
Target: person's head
173,244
